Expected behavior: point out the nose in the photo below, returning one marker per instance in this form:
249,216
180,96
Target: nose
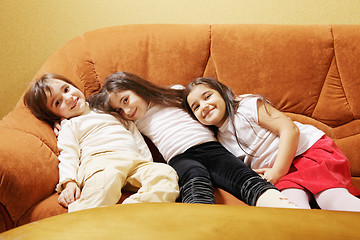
203,108
127,111
67,98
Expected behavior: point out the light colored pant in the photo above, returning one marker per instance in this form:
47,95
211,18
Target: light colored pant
102,178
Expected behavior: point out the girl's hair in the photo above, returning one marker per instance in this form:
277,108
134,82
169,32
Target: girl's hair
232,104
35,97
226,93
122,81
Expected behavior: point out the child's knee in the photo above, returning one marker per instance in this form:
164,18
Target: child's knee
170,172
163,174
163,170
196,173
105,183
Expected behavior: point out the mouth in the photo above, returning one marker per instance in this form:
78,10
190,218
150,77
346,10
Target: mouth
75,103
209,113
133,114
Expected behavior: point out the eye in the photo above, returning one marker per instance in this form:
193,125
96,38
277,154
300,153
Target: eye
118,110
207,96
57,103
66,89
125,100
196,107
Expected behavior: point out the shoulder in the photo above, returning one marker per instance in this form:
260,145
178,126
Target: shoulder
177,87
245,97
248,100
66,122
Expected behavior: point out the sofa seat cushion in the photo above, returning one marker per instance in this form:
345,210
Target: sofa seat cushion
192,221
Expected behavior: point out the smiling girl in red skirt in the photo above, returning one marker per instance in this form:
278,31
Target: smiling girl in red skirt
299,159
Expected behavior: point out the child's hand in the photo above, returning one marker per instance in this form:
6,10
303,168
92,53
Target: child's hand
57,128
70,194
269,174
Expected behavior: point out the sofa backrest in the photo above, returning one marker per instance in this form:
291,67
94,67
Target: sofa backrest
311,72
167,54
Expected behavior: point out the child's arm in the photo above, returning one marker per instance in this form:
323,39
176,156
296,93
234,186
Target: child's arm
69,158
70,194
279,123
140,142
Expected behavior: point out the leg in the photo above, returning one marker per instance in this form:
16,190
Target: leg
337,199
102,187
299,197
194,180
157,182
274,198
231,174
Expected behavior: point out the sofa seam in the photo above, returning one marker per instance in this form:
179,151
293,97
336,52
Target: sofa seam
91,60
28,210
9,222
209,53
326,75
341,79
91,57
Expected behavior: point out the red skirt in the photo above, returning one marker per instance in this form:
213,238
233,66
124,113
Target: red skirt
321,167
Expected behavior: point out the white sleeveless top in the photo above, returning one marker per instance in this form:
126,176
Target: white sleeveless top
264,142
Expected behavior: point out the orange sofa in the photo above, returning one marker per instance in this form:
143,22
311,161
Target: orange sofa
311,72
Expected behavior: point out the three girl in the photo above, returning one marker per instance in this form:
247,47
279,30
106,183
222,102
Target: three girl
190,148
98,154
299,159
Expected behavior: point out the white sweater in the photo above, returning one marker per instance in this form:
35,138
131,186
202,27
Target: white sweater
93,133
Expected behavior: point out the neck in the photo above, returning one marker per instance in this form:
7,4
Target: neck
87,109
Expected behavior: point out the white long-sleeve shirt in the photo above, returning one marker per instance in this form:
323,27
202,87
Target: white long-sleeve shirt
93,133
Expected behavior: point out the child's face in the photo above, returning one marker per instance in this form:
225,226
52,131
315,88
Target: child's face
65,100
207,105
130,105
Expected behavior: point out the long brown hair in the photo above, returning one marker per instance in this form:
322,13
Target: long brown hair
35,97
121,81
226,93
231,102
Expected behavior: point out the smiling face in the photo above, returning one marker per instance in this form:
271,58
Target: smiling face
130,105
207,105
65,100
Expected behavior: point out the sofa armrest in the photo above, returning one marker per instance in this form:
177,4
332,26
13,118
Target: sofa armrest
28,163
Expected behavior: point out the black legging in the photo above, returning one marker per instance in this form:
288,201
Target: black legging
204,165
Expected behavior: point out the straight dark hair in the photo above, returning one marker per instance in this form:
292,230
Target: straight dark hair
232,104
121,81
